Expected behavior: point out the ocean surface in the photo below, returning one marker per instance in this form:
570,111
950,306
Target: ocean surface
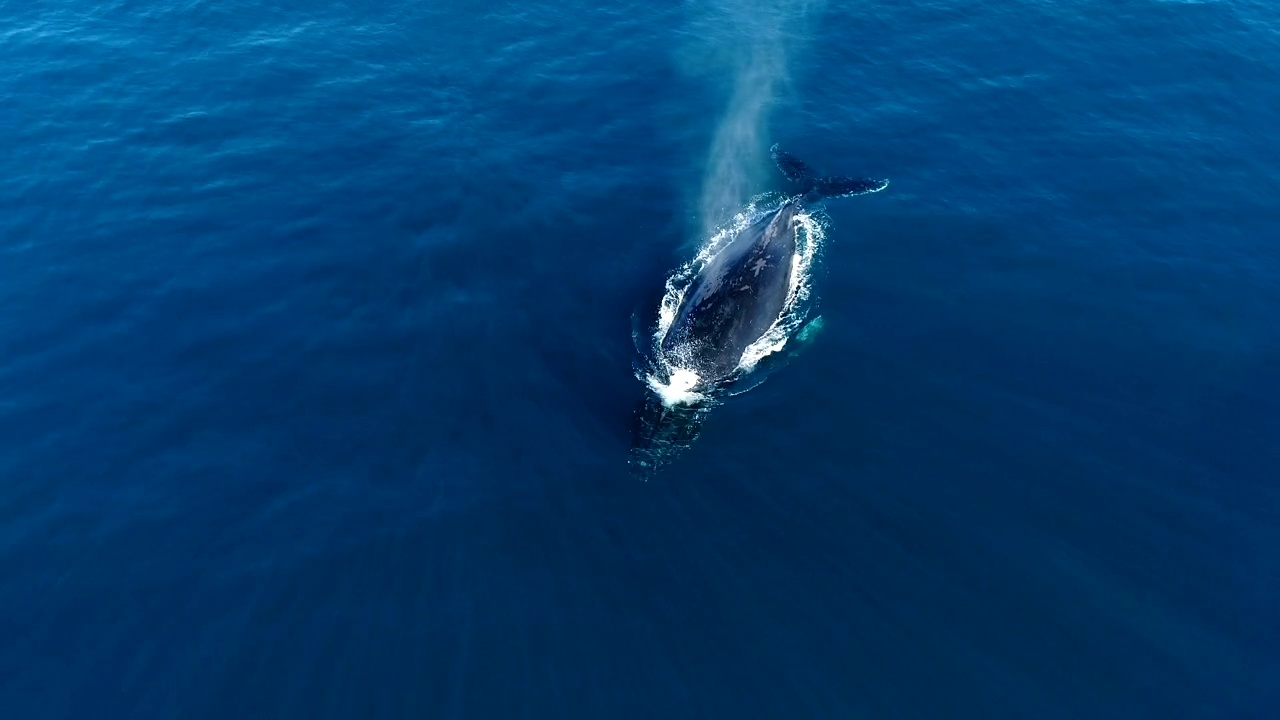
317,361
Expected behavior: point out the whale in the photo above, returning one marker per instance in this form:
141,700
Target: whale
736,296
741,291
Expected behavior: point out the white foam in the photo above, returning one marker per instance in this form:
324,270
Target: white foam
679,389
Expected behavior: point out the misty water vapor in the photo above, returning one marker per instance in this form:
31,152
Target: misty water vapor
754,40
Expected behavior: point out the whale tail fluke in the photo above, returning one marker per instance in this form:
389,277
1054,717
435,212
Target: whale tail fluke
815,187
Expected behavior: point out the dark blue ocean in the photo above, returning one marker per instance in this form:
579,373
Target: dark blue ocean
317,361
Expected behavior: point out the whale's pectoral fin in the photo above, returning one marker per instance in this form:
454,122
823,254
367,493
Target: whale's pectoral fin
791,166
847,187
816,187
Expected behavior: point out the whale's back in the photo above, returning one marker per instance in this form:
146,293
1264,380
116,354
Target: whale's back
736,298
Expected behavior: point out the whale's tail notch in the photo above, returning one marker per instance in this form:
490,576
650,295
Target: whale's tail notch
815,187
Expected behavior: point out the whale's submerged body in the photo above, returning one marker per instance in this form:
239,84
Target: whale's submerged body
736,297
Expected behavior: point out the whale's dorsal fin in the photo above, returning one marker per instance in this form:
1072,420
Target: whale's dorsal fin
816,188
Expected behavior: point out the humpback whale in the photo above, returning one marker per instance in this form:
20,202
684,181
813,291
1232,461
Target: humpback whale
734,299
742,290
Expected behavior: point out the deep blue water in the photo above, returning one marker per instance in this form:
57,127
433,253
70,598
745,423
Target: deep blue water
316,362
